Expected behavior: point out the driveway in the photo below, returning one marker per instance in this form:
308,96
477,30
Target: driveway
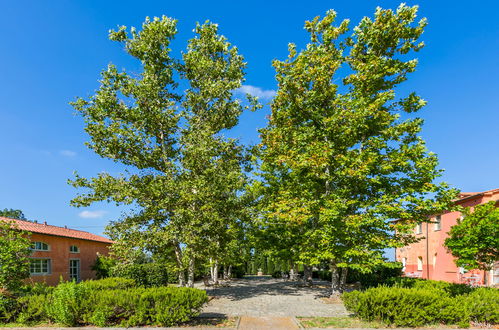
265,296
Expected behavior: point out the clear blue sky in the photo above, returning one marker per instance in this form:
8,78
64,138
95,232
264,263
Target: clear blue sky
52,51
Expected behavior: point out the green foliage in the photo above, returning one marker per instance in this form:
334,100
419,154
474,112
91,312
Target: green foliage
110,283
430,303
14,256
66,303
451,289
32,309
103,266
341,156
146,275
184,176
8,306
378,275
106,302
165,306
13,214
474,241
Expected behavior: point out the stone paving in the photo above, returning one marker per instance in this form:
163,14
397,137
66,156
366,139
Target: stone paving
264,296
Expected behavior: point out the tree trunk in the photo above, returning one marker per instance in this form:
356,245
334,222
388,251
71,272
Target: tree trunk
180,265
307,274
226,272
335,280
229,272
343,280
190,273
215,273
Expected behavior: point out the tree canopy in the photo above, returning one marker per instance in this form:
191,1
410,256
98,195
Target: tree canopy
13,214
474,240
167,124
342,155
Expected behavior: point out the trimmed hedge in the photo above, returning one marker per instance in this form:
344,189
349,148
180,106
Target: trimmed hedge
425,304
146,275
109,302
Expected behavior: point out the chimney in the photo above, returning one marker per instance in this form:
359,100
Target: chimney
45,223
65,226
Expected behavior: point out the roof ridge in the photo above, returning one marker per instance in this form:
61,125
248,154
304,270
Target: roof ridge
44,228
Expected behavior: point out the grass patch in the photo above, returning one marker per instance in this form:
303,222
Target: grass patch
337,322
215,322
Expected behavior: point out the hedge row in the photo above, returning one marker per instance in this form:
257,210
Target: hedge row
425,304
109,302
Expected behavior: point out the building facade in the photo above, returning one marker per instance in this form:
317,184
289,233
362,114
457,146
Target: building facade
60,252
429,259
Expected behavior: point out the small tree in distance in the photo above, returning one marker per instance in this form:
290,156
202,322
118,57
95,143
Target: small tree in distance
474,240
13,214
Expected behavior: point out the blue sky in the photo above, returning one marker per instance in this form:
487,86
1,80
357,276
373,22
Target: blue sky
52,51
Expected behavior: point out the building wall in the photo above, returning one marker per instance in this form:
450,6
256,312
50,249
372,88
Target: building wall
60,255
437,262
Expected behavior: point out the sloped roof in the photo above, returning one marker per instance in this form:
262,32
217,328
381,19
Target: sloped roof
466,195
43,228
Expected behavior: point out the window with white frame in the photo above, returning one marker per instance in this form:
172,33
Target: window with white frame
40,246
74,249
404,263
40,266
419,228
438,223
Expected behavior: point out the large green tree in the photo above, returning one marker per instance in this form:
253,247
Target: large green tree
474,241
341,154
167,124
15,249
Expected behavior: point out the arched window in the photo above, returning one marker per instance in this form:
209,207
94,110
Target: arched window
420,263
40,246
74,249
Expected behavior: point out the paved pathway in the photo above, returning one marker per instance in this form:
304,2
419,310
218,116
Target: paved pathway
264,296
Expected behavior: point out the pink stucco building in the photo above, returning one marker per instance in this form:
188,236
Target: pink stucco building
428,258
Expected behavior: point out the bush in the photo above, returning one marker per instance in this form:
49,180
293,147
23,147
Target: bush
8,306
110,283
111,301
32,309
453,289
65,305
165,306
146,275
425,303
103,266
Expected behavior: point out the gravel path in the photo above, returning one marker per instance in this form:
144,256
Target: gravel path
264,296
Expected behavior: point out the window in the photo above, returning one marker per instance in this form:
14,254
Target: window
434,260
39,266
74,249
40,246
404,263
438,223
420,263
419,228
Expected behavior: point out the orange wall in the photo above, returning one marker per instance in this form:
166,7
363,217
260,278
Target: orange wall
60,256
438,263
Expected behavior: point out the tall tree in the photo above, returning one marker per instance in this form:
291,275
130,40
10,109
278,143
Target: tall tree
13,214
474,241
341,153
184,176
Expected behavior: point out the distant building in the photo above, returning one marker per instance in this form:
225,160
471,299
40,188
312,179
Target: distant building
60,252
429,259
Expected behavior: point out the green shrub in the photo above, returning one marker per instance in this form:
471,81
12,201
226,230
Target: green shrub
425,303
103,266
36,289
32,309
164,306
453,289
110,283
65,305
483,305
146,275
8,307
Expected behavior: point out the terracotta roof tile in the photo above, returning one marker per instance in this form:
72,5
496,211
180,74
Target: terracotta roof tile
43,228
